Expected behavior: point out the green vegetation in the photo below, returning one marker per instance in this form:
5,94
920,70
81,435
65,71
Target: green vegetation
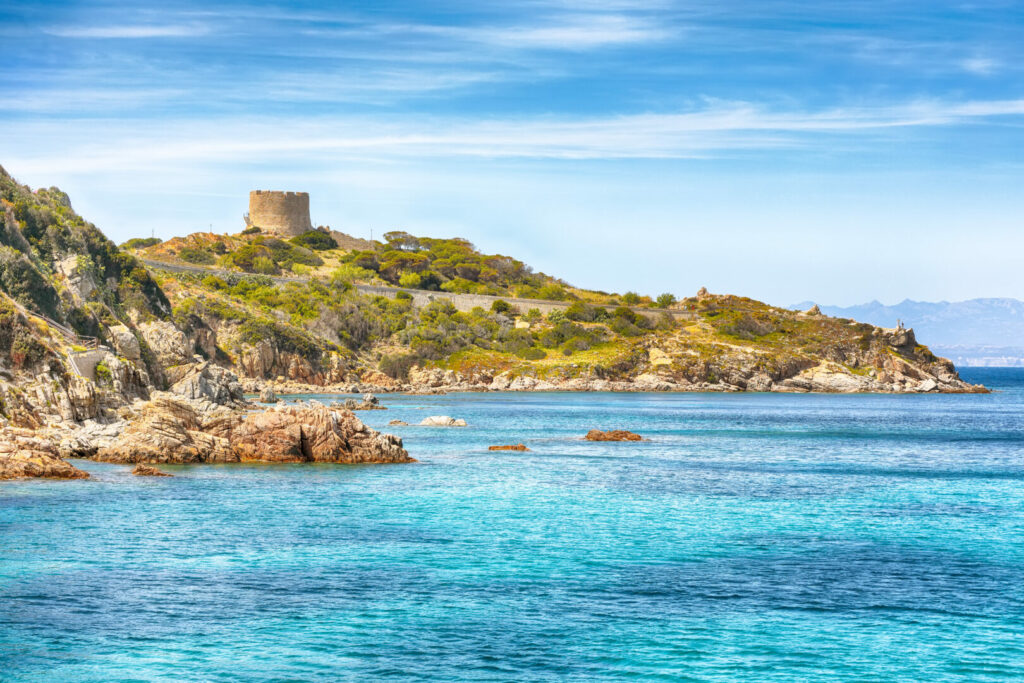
141,242
103,375
451,265
40,229
315,240
197,256
269,256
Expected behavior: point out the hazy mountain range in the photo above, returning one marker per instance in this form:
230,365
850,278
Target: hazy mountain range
988,332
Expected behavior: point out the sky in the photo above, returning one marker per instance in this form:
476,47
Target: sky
787,151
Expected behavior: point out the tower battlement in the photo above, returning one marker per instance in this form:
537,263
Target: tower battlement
280,213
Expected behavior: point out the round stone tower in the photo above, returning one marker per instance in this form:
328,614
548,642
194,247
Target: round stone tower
279,213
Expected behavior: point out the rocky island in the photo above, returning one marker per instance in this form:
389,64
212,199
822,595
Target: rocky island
144,353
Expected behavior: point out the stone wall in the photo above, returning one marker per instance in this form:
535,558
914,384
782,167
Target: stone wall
280,213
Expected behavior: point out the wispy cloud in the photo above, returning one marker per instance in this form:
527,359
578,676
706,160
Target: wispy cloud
130,31
721,129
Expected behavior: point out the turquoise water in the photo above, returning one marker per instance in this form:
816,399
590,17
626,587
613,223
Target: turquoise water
753,537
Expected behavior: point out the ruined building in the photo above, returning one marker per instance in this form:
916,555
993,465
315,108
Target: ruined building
279,213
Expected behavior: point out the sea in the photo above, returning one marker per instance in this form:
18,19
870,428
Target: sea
749,537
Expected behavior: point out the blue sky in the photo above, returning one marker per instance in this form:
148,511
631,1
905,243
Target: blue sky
782,150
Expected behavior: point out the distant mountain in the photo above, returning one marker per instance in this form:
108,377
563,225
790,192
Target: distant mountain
978,332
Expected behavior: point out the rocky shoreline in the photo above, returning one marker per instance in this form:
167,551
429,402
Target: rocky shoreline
825,378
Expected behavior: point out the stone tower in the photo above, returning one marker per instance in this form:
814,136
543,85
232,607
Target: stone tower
280,213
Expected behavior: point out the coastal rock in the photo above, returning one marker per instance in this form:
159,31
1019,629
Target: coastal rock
172,429
22,455
267,395
142,470
612,435
313,433
398,423
369,402
167,429
442,421
511,447
204,380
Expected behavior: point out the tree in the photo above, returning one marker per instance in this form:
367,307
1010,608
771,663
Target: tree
631,298
665,300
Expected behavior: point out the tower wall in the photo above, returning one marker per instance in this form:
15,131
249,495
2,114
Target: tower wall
280,213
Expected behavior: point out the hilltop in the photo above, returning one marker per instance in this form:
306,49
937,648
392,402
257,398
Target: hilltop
975,332
91,329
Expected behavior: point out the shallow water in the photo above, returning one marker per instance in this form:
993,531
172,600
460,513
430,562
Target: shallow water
753,537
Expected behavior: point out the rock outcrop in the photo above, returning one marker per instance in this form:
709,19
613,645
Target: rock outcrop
171,429
442,421
612,435
23,454
511,447
141,470
267,395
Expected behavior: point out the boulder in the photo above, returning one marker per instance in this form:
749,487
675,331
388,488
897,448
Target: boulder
612,435
369,402
398,423
125,343
167,429
24,455
313,433
267,395
442,421
204,380
168,342
141,470
513,447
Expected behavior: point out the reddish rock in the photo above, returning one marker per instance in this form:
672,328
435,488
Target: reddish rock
148,471
612,435
513,447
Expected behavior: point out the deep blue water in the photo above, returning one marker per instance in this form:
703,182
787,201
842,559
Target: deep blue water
753,537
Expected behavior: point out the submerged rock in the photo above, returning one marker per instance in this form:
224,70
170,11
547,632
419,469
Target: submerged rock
442,421
142,470
612,435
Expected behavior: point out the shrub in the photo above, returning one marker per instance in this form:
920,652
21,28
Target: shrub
665,300
196,255
403,296
264,266
251,230
532,353
316,240
103,374
584,312
532,316
501,306
141,242
398,365
410,280
552,293
556,316
631,298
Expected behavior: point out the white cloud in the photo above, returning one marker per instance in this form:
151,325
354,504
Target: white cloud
130,31
982,66
719,129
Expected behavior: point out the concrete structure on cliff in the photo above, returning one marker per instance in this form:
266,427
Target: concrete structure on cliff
285,214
